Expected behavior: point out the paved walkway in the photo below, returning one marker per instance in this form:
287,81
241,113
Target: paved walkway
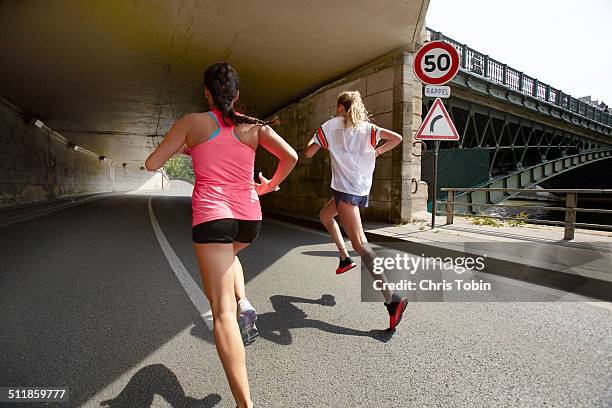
588,255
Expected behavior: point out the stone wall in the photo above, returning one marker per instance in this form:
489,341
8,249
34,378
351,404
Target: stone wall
393,98
36,165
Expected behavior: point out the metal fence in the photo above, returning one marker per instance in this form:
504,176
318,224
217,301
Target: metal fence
480,64
570,209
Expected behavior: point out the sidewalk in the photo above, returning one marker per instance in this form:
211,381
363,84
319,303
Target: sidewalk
22,212
529,252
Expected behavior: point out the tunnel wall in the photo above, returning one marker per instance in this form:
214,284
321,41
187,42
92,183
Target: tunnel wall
394,101
35,166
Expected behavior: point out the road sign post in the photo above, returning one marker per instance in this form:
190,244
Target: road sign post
434,202
435,64
436,126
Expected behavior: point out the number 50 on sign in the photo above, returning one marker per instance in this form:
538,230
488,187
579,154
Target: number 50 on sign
436,63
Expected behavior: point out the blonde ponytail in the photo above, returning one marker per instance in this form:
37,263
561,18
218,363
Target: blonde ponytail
355,109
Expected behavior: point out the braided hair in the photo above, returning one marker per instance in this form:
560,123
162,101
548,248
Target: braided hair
222,82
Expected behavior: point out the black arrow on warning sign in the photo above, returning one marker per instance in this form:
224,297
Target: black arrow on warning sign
433,122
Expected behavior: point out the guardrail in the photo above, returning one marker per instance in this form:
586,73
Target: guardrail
570,209
165,178
480,64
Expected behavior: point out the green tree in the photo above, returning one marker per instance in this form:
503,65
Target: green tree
180,167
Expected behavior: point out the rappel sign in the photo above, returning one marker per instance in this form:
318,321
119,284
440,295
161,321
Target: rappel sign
435,64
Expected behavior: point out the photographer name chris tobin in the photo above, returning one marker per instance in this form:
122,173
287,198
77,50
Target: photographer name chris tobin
410,265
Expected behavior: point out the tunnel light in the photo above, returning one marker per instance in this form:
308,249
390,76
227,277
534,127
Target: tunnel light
102,158
73,146
37,122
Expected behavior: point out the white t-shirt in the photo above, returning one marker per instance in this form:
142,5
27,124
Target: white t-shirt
352,154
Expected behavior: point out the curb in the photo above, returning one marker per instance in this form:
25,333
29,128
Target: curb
23,212
580,285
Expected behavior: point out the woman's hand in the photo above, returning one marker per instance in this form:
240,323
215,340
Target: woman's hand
286,155
264,186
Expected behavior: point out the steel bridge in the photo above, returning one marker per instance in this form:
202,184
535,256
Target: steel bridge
526,130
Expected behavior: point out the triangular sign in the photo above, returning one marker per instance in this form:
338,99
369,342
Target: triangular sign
437,124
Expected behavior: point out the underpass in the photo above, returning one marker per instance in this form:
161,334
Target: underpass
99,286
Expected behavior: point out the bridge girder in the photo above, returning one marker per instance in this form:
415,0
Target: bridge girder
514,141
525,178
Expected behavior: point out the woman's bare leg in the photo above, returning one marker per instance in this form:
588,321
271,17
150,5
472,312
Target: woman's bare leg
247,315
239,289
216,263
351,221
326,215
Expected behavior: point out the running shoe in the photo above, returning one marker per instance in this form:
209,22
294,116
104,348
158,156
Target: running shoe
345,265
396,310
247,317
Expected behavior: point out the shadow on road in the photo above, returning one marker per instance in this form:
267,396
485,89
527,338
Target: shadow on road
157,379
276,326
329,254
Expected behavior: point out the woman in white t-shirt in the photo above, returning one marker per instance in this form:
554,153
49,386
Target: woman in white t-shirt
351,140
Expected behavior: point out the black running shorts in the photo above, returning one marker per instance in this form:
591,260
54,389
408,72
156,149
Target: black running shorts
226,231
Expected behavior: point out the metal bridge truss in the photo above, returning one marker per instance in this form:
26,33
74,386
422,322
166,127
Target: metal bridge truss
526,178
515,143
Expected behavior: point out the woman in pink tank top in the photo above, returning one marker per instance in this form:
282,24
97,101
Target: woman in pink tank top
226,214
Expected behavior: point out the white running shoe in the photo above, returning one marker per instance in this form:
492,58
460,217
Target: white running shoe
247,317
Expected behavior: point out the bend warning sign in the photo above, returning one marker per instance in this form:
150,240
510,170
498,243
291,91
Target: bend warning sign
437,124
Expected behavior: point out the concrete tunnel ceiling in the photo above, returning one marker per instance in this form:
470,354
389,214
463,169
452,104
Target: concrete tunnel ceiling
110,75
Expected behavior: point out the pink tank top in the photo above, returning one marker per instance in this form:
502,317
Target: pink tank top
224,186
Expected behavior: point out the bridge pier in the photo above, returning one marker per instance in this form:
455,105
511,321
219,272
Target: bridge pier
393,96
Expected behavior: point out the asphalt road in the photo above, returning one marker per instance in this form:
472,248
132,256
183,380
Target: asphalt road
89,301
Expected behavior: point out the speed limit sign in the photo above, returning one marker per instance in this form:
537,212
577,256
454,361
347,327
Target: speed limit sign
436,63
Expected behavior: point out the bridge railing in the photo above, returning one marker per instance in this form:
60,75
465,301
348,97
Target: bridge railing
481,64
570,209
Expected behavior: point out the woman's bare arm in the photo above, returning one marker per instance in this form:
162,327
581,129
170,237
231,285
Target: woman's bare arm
272,142
173,142
311,148
391,139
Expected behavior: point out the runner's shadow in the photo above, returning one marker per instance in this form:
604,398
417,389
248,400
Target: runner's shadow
276,326
157,379
330,254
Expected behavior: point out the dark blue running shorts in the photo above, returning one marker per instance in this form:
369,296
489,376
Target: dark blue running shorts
359,201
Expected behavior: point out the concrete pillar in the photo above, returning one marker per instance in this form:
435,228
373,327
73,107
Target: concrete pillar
407,107
393,98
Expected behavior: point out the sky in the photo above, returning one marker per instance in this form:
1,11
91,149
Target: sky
566,44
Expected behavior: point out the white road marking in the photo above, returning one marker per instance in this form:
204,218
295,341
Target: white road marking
194,292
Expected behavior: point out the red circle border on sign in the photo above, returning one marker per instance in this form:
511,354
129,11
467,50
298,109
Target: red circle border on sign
443,79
